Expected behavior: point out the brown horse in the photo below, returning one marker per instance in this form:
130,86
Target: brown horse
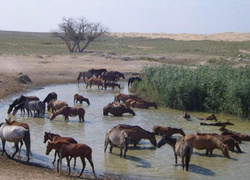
21,99
67,150
117,73
160,130
49,97
70,111
95,81
142,104
212,117
55,105
84,75
118,138
136,133
112,85
123,97
237,136
80,98
117,109
207,142
186,115
181,148
229,141
109,78
57,137
97,72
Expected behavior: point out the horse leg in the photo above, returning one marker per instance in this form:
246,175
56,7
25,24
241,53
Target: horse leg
4,151
183,164
89,157
68,162
16,144
55,157
121,152
83,165
175,155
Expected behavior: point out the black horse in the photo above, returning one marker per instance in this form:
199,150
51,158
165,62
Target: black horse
49,97
132,79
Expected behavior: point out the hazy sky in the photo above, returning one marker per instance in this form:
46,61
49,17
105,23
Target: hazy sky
146,16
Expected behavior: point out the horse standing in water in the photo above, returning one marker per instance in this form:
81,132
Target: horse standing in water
159,130
80,98
57,137
131,80
67,150
15,134
212,117
70,111
49,97
181,148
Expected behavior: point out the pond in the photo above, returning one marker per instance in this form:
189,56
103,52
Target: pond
142,162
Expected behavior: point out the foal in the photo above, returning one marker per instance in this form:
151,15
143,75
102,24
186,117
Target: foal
181,148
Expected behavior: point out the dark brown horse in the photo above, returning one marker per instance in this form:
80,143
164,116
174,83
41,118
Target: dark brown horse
237,136
136,133
123,97
181,148
132,79
117,109
207,142
95,81
212,117
186,115
142,104
21,99
70,111
169,131
116,73
109,78
49,97
97,72
68,150
80,98
57,137
112,85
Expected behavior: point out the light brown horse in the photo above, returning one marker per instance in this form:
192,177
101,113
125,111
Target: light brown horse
80,98
142,104
123,97
207,142
55,105
118,138
212,117
117,109
137,133
57,137
68,150
169,131
95,81
229,141
181,148
70,111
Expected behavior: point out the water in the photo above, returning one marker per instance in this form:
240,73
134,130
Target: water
143,162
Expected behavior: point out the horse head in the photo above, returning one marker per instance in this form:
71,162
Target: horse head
225,151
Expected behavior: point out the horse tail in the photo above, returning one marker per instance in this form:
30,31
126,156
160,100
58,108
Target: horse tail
27,142
237,146
188,156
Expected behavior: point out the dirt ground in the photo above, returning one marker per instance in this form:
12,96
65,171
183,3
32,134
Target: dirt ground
48,70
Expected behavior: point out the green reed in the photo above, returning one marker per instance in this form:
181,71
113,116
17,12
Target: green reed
221,89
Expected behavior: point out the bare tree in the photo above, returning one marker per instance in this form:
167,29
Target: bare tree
77,35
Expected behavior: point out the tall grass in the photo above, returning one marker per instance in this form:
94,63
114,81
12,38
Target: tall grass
204,88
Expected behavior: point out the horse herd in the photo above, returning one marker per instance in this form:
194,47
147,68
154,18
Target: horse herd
119,136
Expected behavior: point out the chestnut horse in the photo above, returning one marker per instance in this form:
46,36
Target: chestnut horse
57,137
55,105
117,138
123,97
117,109
160,130
95,81
237,136
181,148
70,111
20,100
67,150
136,133
80,98
207,142
212,117
49,97
142,104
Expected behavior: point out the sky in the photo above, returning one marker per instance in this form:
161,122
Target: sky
142,16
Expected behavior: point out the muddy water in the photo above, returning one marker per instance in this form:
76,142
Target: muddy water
142,162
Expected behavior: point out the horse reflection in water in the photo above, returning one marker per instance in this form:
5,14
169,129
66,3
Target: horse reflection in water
15,134
181,148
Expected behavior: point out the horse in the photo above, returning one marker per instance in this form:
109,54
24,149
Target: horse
112,85
117,109
168,131
237,136
186,115
67,150
38,106
55,105
183,149
123,97
15,134
109,77
19,107
142,104
84,75
229,141
70,111
80,98
207,142
56,137
49,97
117,138
136,133
212,117
20,100
132,79
97,72
117,73
95,81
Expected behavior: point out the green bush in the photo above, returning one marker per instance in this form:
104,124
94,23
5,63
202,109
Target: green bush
204,88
